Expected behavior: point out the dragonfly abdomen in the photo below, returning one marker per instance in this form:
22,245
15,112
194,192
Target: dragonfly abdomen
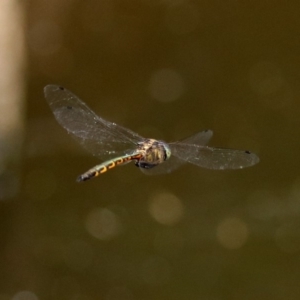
110,164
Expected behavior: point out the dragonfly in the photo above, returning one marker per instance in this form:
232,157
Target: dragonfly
117,145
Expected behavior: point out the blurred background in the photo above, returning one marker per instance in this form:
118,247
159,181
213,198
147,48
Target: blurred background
165,69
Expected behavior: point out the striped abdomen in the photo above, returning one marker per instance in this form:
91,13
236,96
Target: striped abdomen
110,164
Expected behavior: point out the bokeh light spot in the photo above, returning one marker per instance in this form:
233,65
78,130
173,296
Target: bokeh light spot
24,295
232,233
166,85
103,224
166,208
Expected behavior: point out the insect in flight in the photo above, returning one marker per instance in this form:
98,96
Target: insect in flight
118,145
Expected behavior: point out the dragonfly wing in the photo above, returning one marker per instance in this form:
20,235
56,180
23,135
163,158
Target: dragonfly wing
100,137
200,138
214,158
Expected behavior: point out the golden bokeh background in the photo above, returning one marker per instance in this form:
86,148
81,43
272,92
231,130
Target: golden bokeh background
165,69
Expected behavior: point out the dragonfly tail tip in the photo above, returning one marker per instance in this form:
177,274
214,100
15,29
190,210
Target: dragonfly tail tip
81,178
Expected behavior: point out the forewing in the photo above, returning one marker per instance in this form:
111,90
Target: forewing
214,158
100,137
200,138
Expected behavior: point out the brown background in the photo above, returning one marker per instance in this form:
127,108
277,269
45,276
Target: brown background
165,69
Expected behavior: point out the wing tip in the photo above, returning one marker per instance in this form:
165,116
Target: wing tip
208,130
52,87
253,159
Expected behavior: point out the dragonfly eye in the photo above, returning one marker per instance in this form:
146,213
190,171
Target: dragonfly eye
167,151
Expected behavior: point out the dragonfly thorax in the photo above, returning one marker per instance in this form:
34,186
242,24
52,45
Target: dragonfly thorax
153,153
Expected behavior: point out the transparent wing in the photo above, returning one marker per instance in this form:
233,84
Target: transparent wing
100,137
200,138
214,158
